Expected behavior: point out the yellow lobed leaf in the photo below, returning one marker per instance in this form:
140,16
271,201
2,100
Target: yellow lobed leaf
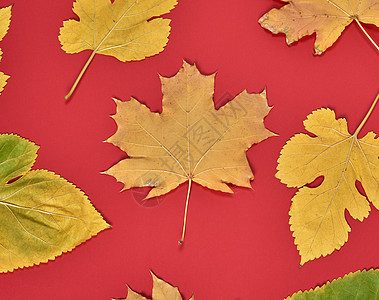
5,19
3,81
41,214
317,215
326,18
161,291
190,140
120,29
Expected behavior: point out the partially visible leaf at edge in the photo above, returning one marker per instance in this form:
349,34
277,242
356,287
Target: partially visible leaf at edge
362,285
121,29
327,18
161,291
317,214
41,214
5,19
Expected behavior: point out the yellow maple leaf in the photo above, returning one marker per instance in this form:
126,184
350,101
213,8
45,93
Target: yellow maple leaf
317,215
161,291
121,29
5,19
41,214
326,18
190,140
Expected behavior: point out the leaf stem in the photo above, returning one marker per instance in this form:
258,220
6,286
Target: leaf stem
80,74
185,212
367,116
366,33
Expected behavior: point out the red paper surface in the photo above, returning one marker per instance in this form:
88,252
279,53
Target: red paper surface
237,246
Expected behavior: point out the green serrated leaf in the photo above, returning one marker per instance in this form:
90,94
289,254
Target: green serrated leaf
362,285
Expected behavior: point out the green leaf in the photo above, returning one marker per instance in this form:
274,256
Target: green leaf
362,285
41,214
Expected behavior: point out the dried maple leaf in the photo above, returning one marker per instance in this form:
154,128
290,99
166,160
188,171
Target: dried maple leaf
5,19
190,140
358,285
317,215
161,291
41,214
326,18
121,29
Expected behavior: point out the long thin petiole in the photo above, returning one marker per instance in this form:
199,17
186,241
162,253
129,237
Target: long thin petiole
80,75
185,212
367,116
366,33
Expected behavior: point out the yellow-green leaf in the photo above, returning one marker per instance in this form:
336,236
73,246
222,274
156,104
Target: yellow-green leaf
317,215
121,29
41,214
161,291
5,19
327,18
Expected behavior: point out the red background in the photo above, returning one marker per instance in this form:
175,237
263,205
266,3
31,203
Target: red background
237,246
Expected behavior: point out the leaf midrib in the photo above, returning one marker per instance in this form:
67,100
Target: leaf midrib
114,26
96,50
357,141
335,191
